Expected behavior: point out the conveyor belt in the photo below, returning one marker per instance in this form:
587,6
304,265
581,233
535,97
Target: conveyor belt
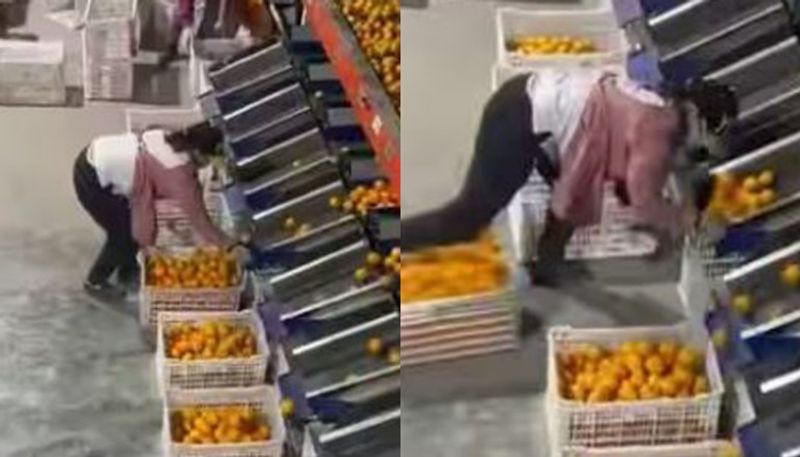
741,28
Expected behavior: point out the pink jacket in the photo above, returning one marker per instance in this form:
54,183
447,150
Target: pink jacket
152,181
626,141
185,13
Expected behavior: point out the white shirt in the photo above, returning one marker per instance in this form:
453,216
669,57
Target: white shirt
558,97
114,158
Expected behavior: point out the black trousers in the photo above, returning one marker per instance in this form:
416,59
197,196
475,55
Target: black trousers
506,152
112,213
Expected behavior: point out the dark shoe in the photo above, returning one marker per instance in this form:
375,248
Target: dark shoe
549,280
545,277
104,291
129,279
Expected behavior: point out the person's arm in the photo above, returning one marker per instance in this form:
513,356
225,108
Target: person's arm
184,187
578,193
648,170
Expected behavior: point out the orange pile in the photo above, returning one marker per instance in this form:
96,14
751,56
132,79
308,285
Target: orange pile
362,199
735,197
636,370
540,44
376,24
210,340
451,271
218,425
204,268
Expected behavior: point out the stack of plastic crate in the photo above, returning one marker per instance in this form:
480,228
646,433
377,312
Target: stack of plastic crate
613,237
461,326
110,39
204,386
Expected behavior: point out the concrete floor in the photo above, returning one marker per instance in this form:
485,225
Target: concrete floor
77,380
491,406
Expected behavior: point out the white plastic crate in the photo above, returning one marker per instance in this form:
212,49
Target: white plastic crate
701,274
153,300
59,5
431,310
264,399
640,423
704,449
611,238
215,373
502,73
99,10
459,327
598,25
32,73
139,119
110,39
569,5
108,80
112,28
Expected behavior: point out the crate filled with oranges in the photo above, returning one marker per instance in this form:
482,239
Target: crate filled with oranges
188,279
458,270
457,301
376,24
533,45
363,199
243,422
173,228
631,386
200,350
203,268
538,38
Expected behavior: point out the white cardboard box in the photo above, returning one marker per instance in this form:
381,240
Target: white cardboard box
32,73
